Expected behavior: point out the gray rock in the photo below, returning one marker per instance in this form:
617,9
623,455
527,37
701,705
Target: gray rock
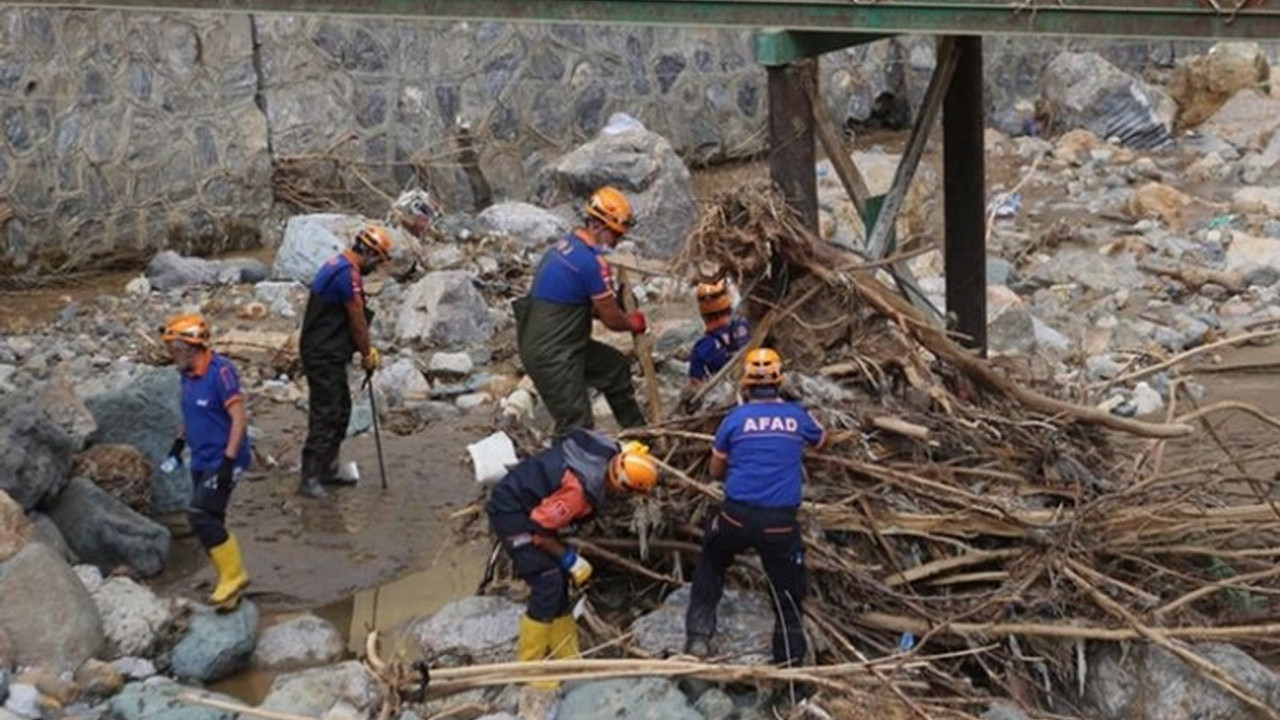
146,414
105,532
1013,332
451,364
24,701
1146,682
445,257
133,618
157,699
1000,271
134,668
680,337
33,468
434,410
498,716
401,383
242,270
279,297
531,225
216,644
47,612
1001,710
743,630
1247,121
444,309
361,415
1090,269
1088,92
300,642
644,166
169,270
1102,367
714,704
649,698
482,628
1146,400
314,692
49,534
309,242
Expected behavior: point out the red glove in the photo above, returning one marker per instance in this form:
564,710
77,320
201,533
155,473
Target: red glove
638,322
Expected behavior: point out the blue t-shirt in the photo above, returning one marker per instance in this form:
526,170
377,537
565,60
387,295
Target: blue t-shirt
764,443
714,349
338,281
572,273
205,399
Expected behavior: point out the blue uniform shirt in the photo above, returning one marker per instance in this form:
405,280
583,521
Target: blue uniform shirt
714,349
764,443
572,272
205,398
338,281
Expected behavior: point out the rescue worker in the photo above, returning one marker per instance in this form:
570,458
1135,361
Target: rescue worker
214,428
759,452
573,282
725,334
336,324
539,498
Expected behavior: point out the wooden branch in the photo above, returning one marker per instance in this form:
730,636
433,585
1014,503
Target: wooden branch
1196,277
644,351
930,569
1185,356
901,427
919,626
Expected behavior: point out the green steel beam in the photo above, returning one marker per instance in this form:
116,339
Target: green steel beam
1191,19
780,47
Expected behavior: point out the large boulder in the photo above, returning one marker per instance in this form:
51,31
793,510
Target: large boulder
303,641
15,530
643,165
37,456
123,471
105,532
533,226
1086,91
743,629
1089,268
1247,121
146,413
401,383
313,693
57,400
1146,682
133,617
169,270
482,628
1249,253
157,699
649,698
310,240
444,309
1202,83
47,532
47,613
216,644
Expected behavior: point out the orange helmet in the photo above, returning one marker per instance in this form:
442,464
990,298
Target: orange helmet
713,298
610,206
376,239
762,366
634,469
190,328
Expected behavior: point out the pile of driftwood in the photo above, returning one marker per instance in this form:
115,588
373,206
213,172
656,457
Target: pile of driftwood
985,525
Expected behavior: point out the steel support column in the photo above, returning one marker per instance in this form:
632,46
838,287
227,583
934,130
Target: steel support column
964,188
791,150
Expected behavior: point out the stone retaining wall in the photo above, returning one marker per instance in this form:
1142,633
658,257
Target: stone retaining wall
126,133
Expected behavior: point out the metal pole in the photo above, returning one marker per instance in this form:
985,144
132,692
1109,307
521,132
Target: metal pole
791,151
964,188
377,431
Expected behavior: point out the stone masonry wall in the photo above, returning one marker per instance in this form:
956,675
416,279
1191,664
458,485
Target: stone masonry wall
125,133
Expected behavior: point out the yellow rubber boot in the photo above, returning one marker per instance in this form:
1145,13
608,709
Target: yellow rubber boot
533,644
564,638
232,579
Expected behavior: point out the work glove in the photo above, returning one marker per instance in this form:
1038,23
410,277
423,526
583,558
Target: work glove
577,567
226,472
639,324
173,460
371,360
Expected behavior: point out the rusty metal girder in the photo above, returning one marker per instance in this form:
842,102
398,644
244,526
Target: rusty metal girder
1192,19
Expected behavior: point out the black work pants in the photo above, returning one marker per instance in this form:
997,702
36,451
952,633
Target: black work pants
548,583
328,414
775,535
207,513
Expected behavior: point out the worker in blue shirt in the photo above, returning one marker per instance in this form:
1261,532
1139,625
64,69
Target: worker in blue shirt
214,428
725,334
573,284
759,452
336,325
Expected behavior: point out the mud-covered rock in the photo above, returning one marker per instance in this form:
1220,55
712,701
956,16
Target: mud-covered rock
216,644
157,699
314,692
47,613
103,531
649,698
444,309
300,642
533,226
133,617
37,455
1086,91
482,628
743,629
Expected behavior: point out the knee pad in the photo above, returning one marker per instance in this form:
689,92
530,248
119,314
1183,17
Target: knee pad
209,529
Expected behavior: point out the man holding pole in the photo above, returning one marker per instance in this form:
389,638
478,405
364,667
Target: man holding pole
336,324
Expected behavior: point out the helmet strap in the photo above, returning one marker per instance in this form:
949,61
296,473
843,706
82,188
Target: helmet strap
762,392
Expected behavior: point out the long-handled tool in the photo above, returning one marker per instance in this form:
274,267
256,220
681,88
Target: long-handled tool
377,432
644,351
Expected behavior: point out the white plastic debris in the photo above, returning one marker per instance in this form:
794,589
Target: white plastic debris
492,457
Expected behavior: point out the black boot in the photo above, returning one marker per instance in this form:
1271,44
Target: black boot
310,487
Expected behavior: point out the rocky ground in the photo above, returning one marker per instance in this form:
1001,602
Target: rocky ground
1122,233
